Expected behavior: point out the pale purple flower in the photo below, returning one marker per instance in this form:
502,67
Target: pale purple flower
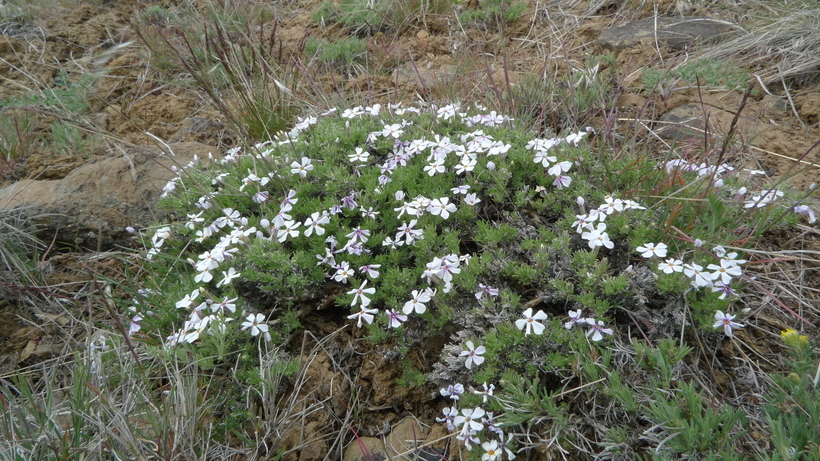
349,201
343,272
358,234
489,421
370,270
469,437
562,181
505,447
135,325
452,391
806,211
486,393
449,414
574,319
396,318
727,322
261,196
486,290
597,330
724,290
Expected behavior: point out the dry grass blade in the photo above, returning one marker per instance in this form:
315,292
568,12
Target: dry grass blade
788,48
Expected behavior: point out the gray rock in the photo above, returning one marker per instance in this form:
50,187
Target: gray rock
675,32
94,203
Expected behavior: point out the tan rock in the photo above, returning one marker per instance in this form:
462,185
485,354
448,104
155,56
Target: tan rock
94,203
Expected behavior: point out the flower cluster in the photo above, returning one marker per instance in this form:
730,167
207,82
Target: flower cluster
596,329
596,235
542,154
470,424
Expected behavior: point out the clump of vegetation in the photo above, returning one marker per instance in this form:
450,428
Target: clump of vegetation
340,53
711,73
410,221
362,17
491,12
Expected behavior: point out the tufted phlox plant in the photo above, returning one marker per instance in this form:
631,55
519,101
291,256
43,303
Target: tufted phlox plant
281,201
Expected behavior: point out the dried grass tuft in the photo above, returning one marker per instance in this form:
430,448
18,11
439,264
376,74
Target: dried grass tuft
787,48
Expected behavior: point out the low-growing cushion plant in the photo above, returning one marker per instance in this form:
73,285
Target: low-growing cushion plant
546,260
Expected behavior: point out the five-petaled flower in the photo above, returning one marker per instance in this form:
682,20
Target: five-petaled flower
473,355
491,451
418,303
470,420
529,324
725,271
698,276
597,330
364,314
649,250
671,265
302,168
727,322
574,319
257,325
486,290
452,391
314,223
228,277
396,318
359,295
